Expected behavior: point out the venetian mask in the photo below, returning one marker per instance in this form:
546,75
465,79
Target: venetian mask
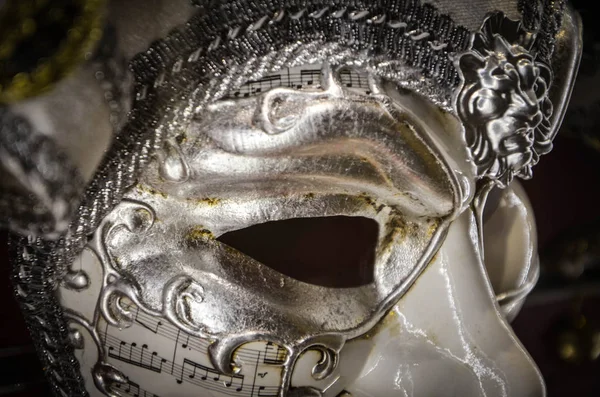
311,199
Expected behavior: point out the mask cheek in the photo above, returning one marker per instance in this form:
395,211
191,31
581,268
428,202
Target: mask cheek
448,326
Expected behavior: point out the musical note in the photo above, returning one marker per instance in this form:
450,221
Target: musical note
195,367
346,78
308,76
274,355
135,356
233,379
352,79
175,351
190,369
268,82
133,389
136,387
185,369
266,391
299,78
149,326
171,332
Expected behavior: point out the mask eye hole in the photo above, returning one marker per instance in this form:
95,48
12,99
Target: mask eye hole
334,252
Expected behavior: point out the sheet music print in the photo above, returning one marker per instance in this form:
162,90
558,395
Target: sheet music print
133,389
170,362
300,78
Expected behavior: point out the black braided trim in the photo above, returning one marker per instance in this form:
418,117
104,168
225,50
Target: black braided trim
51,184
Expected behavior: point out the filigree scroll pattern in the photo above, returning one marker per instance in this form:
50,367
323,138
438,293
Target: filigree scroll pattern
121,297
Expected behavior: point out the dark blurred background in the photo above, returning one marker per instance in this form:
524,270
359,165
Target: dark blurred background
559,324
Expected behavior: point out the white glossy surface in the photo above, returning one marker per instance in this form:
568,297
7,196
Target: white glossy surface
445,337
510,245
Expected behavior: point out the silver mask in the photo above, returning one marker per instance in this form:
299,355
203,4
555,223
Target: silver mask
415,116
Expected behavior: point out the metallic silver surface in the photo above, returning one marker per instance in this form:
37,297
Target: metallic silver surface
279,155
504,101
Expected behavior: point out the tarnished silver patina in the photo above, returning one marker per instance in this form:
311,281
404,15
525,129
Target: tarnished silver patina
279,155
397,113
